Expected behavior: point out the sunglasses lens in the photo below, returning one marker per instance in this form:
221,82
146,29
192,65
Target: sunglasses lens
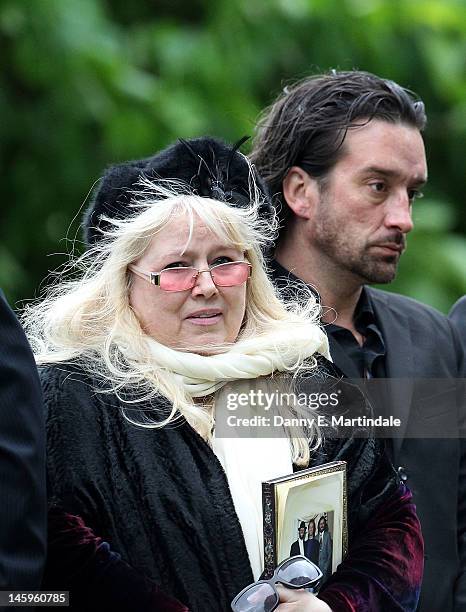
259,598
230,274
298,573
177,279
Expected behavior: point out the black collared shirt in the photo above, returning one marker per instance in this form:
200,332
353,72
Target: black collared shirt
356,361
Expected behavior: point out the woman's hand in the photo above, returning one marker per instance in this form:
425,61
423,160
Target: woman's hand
298,600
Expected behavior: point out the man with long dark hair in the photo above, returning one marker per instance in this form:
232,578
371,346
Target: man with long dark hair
344,159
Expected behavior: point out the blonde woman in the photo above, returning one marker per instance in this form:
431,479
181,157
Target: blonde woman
171,302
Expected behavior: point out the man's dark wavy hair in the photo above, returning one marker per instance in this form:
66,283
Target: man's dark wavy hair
307,124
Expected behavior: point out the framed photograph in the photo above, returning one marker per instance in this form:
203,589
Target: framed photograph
305,513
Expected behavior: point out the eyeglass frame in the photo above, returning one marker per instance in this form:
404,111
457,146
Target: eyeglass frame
154,277
272,581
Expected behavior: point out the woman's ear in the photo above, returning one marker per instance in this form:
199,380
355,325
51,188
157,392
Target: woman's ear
301,192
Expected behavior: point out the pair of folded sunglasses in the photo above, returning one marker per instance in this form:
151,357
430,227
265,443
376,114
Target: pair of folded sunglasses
262,596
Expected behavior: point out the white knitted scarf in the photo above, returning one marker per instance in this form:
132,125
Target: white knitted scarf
247,462
202,375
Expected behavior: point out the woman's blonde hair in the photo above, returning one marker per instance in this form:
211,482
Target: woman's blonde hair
86,317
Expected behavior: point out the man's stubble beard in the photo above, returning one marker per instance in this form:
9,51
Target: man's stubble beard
331,240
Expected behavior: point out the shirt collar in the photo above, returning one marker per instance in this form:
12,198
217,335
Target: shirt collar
283,277
278,271
364,306
364,314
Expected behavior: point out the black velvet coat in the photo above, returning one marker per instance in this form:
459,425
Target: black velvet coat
161,497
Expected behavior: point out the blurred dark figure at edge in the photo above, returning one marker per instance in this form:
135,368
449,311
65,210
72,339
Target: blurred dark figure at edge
458,316
22,460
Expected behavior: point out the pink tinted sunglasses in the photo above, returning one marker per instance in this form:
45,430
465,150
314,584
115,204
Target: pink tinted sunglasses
181,279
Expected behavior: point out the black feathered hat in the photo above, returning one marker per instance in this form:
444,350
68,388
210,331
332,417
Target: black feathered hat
210,167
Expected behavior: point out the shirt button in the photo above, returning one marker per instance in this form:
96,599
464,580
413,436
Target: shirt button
402,474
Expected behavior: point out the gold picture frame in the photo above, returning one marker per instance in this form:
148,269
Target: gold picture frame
316,495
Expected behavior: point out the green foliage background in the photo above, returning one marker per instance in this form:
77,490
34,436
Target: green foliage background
91,82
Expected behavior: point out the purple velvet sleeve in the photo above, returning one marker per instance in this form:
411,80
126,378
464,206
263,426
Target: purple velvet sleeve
97,578
383,570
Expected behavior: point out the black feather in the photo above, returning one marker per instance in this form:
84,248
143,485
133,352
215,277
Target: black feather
210,167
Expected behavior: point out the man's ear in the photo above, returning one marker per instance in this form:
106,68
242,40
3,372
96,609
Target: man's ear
301,192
